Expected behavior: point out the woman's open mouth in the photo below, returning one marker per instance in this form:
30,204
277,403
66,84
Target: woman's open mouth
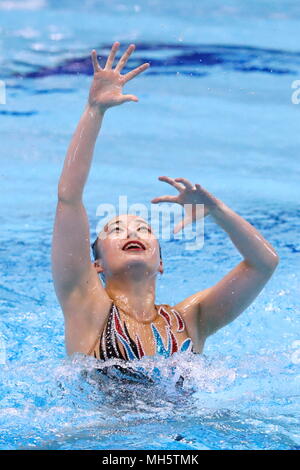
134,245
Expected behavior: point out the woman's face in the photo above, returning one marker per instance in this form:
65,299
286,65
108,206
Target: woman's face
128,244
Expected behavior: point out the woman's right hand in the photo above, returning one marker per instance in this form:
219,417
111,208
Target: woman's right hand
106,88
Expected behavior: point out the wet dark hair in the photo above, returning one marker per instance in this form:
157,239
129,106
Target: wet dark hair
94,249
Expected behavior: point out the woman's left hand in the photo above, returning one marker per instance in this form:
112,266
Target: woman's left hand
188,195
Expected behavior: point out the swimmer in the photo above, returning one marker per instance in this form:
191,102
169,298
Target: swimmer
109,303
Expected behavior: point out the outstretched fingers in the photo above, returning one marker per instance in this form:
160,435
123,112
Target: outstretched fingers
188,185
112,55
172,182
166,198
130,75
95,62
125,98
124,58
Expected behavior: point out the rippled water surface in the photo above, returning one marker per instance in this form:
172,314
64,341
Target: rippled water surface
215,107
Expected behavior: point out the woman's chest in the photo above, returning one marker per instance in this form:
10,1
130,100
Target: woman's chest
165,335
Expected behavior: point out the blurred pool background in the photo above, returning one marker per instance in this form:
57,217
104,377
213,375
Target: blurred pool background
214,107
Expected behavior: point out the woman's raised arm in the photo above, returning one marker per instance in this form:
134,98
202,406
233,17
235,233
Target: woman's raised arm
71,264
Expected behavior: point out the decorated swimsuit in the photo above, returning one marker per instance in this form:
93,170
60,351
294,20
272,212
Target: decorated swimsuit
166,333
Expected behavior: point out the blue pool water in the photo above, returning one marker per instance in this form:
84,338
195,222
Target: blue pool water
215,107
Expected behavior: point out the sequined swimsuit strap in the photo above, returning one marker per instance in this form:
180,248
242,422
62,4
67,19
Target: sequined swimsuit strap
109,347
92,349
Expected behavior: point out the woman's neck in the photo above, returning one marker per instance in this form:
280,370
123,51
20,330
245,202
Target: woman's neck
135,298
